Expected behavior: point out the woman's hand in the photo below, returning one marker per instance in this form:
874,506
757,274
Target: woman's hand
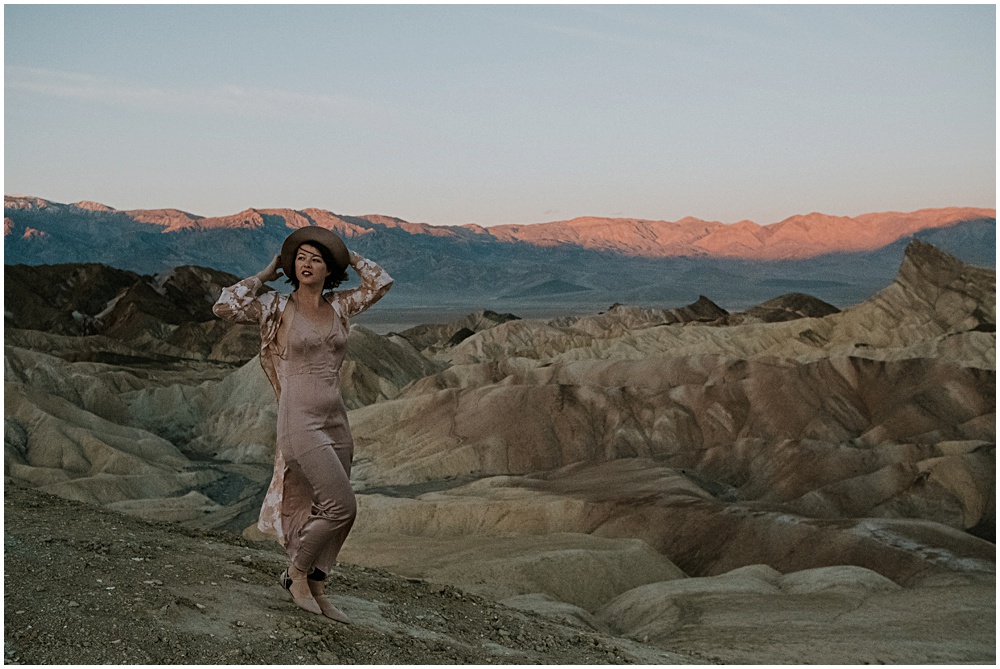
354,259
272,272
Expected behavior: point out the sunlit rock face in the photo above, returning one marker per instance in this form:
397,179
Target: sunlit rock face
795,237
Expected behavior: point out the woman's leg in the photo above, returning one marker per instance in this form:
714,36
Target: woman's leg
333,507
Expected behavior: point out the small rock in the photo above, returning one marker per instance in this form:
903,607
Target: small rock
73,604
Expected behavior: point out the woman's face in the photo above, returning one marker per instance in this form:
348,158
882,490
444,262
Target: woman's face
310,269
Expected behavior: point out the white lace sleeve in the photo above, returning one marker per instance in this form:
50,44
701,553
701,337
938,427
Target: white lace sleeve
375,282
239,302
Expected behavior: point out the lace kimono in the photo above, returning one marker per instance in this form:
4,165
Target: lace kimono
241,304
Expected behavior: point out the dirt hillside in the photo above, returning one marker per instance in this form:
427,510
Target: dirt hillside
85,585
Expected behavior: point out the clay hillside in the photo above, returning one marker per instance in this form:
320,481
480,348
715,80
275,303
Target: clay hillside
546,269
649,484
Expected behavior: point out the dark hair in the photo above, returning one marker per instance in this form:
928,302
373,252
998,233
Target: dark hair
332,280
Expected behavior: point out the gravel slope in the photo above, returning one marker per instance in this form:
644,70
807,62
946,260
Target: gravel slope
85,585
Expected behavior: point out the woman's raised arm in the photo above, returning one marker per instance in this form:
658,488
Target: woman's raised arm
239,302
375,282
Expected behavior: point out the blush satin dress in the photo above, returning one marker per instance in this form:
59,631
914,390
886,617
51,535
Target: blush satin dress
309,505
316,443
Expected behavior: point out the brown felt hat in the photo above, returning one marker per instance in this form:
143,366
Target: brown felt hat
314,235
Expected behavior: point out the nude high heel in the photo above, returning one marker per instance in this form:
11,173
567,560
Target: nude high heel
325,605
294,582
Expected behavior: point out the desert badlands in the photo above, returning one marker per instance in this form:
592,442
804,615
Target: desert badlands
793,483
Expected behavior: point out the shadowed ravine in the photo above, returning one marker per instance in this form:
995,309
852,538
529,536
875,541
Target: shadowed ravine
679,485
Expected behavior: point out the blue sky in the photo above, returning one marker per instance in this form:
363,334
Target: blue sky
504,113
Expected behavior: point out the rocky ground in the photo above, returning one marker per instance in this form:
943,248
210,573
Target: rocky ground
85,585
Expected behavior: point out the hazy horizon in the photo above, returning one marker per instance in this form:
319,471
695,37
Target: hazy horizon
504,114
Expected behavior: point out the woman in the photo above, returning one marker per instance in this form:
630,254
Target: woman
309,505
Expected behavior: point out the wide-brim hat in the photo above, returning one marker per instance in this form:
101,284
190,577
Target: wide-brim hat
313,234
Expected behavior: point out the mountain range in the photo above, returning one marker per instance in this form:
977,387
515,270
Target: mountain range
545,268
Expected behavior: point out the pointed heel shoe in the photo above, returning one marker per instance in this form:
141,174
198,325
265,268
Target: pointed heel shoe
306,601
325,605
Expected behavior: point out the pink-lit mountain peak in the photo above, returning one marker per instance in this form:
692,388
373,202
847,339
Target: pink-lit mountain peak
93,206
170,220
630,235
